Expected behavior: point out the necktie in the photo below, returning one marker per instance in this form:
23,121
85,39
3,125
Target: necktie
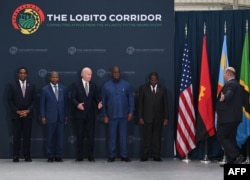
23,89
153,89
86,89
56,91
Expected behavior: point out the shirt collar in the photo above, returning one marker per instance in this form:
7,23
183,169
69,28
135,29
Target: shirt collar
22,82
53,85
84,82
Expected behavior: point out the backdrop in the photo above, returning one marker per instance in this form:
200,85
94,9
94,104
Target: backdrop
66,36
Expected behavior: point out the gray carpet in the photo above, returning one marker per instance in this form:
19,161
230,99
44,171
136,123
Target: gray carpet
169,169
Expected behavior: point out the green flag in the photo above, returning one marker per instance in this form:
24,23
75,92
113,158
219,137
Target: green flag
244,127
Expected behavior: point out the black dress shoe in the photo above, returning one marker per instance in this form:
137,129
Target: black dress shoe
79,159
15,159
239,159
125,159
111,159
50,159
157,159
27,159
58,159
143,159
91,159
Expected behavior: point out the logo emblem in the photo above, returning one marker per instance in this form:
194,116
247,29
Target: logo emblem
27,18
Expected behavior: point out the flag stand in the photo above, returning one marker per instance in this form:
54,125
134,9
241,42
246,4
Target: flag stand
224,160
205,159
186,160
247,158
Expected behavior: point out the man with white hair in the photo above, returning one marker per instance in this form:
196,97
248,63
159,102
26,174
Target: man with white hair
229,111
86,100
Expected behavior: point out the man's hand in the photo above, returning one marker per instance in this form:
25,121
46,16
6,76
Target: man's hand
23,113
141,121
222,97
130,116
106,120
165,122
43,121
100,105
80,106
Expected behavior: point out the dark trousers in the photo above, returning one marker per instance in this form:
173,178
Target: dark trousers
152,139
118,127
22,128
55,139
85,127
226,134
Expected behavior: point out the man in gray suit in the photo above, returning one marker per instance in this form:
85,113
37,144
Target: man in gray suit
152,114
229,110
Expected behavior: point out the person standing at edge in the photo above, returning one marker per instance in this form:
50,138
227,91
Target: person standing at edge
229,112
153,115
85,99
54,114
21,97
118,108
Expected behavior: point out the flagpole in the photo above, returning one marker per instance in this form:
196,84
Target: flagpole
248,140
205,159
224,160
186,160
247,158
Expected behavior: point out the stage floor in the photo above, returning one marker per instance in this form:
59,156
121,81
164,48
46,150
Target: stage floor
170,169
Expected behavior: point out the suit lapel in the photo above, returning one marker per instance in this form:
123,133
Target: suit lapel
51,90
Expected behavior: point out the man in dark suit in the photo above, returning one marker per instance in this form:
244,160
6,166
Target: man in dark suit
152,114
21,97
86,100
54,113
229,111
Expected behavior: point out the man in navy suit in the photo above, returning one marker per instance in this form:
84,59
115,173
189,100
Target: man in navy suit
229,110
86,100
152,114
21,97
54,113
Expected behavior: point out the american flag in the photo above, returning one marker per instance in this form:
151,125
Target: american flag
185,140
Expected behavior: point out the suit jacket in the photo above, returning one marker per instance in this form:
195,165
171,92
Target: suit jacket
90,101
230,110
51,108
152,106
18,102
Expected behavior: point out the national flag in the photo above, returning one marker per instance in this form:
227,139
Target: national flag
205,120
243,130
185,141
223,65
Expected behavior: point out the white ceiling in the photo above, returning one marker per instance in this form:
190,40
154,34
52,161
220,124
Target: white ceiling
188,5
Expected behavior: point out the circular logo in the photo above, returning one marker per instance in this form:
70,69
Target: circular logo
42,72
13,50
130,50
72,50
131,139
101,73
27,18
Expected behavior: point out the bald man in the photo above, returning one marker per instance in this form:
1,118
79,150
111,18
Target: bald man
229,111
86,100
